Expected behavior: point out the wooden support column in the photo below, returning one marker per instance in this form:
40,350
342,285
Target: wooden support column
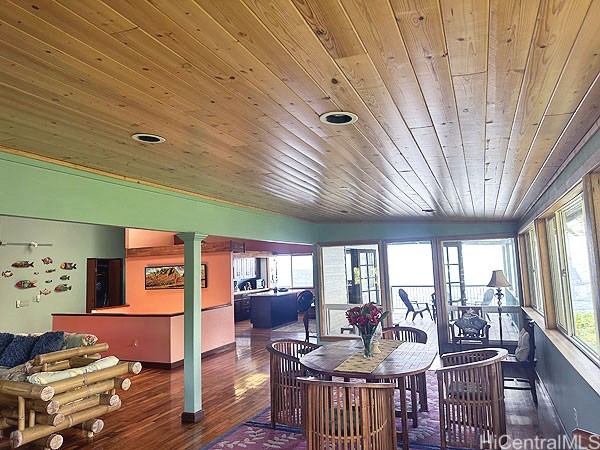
192,322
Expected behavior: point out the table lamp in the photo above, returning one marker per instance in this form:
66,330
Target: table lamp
499,281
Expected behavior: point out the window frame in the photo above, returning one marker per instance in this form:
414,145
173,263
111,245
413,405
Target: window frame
531,279
384,300
291,255
557,216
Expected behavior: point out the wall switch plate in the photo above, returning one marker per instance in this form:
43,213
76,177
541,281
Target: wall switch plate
37,298
18,303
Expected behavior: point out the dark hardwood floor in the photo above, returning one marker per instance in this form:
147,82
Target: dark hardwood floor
235,388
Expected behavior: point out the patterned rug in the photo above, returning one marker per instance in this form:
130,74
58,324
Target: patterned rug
257,433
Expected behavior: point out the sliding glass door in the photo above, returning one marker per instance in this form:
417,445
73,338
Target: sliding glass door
468,267
410,269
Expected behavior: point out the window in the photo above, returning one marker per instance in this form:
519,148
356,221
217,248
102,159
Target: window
532,265
570,268
295,271
350,275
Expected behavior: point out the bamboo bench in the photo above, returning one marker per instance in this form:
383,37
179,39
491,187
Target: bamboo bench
37,413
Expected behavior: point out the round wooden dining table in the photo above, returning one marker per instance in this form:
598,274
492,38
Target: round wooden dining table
410,358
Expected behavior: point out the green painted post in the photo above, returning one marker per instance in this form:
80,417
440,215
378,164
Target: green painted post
192,318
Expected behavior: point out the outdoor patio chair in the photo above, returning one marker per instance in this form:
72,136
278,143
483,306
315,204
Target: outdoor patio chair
471,397
488,296
286,396
420,308
349,415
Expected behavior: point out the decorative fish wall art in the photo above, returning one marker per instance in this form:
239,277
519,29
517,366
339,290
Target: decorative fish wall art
36,273
22,264
47,260
65,277
7,273
26,284
62,288
50,270
48,281
68,266
45,291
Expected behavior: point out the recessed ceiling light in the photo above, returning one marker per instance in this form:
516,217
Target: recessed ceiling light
428,210
344,211
148,138
338,118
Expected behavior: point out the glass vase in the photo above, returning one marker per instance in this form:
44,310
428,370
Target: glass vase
367,345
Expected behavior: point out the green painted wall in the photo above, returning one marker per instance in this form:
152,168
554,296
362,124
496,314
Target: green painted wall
347,232
32,188
568,390
71,242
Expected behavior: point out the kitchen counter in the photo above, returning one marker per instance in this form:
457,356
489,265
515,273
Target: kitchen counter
249,292
271,309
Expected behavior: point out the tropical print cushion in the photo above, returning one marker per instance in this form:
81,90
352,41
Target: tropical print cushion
471,324
18,373
73,340
51,341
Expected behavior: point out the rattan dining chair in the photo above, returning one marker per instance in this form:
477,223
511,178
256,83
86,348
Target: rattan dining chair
417,385
471,396
286,396
349,415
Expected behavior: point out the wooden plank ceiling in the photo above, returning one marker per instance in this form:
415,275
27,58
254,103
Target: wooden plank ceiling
467,107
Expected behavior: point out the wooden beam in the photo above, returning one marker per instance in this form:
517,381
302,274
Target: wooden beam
176,250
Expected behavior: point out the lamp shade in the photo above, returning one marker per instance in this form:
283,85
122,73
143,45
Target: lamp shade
498,280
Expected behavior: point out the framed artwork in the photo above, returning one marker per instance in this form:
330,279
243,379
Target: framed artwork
203,279
164,277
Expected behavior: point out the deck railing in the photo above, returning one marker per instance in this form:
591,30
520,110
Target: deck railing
422,293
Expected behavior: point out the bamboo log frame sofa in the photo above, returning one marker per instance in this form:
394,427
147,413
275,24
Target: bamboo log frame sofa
38,412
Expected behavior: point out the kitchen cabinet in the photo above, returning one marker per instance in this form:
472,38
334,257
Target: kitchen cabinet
241,308
244,268
270,309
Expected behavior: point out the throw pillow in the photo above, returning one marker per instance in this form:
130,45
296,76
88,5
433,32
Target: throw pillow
18,351
73,340
5,339
471,324
51,341
522,351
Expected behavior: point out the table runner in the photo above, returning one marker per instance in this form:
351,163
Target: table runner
358,363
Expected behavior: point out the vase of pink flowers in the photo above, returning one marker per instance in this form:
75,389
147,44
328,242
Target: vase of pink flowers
366,319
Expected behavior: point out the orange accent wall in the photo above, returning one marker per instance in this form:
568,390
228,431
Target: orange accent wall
147,238
150,338
219,290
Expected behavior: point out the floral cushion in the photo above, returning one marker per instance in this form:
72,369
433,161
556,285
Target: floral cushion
73,340
18,373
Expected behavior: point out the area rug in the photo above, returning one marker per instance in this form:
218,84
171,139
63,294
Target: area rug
257,433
